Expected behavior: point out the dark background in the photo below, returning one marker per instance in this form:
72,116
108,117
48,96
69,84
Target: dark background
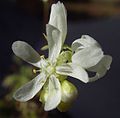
100,99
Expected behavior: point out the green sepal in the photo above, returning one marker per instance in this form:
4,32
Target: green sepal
66,47
61,77
64,57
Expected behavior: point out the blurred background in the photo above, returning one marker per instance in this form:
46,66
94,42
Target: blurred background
25,20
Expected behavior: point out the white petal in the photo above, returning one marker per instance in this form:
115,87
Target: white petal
83,42
88,56
54,94
43,62
73,70
87,51
58,19
26,52
30,89
54,42
101,68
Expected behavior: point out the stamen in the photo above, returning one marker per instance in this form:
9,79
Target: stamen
45,36
35,71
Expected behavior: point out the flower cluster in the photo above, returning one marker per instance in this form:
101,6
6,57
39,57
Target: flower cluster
85,54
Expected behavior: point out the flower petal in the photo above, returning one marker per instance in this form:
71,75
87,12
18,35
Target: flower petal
87,51
83,42
26,52
30,89
58,19
54,94
101,68
73,70
54,42
88,56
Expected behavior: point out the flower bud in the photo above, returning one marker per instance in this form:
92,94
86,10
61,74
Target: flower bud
69,94
43,96
69,91
64,106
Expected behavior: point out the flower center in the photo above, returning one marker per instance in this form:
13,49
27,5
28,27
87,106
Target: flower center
50,69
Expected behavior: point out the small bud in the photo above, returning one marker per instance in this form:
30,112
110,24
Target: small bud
69,91
69,94
43,95
63,107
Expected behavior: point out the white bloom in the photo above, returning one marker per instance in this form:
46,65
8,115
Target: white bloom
87,55
56,33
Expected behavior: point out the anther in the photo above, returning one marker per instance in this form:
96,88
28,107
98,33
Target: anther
35,71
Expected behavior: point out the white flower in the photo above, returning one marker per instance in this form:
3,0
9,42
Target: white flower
87,55
56,32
